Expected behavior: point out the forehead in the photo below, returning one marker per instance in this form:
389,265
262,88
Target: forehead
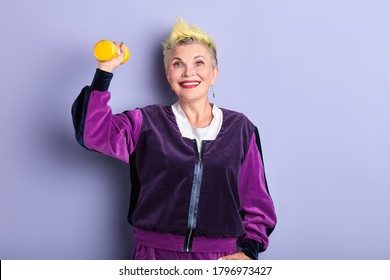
190,51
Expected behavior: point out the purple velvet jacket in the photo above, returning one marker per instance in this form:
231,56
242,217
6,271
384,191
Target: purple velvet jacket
220,192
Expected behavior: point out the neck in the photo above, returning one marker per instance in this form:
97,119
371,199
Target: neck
199,114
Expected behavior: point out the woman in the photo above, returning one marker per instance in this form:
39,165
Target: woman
198,182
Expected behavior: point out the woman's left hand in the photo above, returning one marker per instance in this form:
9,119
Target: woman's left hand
236,256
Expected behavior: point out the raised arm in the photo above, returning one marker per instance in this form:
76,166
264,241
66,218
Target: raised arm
96,128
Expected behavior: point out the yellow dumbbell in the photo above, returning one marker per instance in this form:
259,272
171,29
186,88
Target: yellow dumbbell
105,50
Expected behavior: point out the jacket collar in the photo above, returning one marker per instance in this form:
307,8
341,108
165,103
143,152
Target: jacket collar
185,127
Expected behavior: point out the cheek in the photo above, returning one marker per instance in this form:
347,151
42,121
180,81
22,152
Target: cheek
207,75
171,83
170,77
173,74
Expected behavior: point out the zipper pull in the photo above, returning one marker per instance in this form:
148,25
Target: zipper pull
201,152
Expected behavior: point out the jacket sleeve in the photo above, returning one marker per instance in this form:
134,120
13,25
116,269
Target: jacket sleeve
97,129
258,213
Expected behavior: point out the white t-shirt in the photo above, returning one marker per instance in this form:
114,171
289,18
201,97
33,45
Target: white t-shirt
206,133
199,134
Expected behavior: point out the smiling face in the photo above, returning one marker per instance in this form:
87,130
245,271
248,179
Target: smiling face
190,72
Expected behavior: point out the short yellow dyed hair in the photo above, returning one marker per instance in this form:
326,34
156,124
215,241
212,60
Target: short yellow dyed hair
185,34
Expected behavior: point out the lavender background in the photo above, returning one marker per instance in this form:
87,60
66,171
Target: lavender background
313,75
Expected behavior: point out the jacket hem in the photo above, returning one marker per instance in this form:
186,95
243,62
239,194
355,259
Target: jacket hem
173,242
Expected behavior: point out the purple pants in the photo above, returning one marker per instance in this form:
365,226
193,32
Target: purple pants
164,246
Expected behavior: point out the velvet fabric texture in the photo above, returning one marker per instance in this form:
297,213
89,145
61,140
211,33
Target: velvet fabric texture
142,252
233,197
164,246
167,183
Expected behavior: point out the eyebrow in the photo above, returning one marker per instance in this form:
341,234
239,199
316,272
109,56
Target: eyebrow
199,56
196,57
178,58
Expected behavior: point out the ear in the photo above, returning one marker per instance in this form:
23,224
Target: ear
215,74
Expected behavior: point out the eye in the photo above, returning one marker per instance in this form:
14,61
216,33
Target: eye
177,64
199,63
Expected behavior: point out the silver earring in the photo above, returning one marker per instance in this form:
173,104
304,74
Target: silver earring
212,88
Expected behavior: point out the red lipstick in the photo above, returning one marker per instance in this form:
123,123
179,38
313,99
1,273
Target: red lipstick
189,84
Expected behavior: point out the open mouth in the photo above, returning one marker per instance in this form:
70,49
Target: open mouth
189,84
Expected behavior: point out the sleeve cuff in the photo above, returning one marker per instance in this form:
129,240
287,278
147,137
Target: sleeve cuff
101,80
251,248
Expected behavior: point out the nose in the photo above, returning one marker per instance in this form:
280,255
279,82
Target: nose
188,72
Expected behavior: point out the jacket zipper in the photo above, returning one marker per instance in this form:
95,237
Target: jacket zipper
194,196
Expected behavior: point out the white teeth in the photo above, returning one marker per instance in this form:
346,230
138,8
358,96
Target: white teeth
191,84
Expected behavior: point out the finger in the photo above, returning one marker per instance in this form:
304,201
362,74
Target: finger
119,49
228,257
122,49
236,256
120,52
